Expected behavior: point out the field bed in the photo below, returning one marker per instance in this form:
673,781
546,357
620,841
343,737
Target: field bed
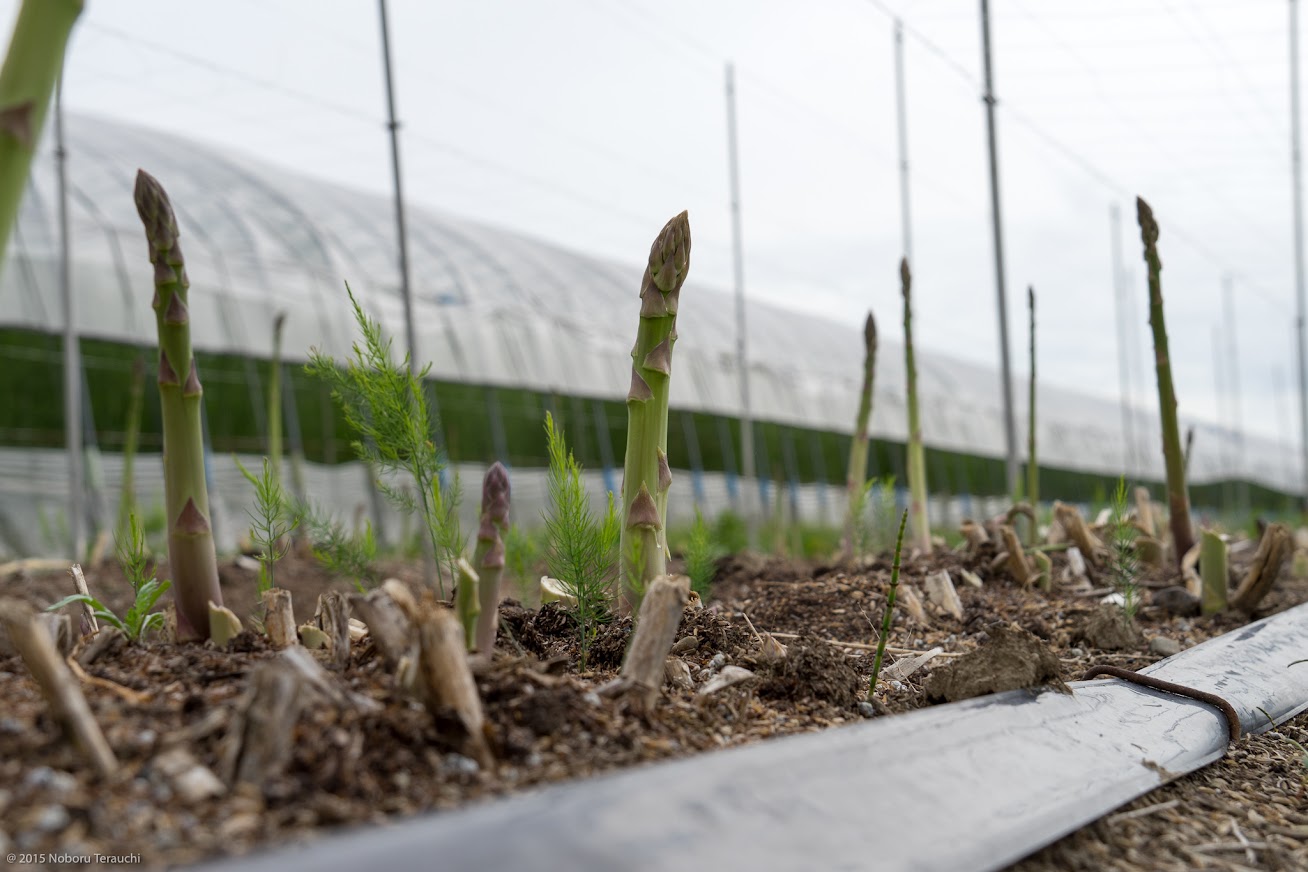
353,767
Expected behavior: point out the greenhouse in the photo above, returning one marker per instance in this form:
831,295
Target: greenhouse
513,328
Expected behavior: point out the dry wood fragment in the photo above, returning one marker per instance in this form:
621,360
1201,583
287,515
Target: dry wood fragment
279,618
442,669
1144,512
656,626
677,674
88,614
333,617
940,590
902,668
60,688
911,603
390,628
1273,551
358,629
730,675
1076,567
1189,571
975,534
1072,522
971,578
1018,567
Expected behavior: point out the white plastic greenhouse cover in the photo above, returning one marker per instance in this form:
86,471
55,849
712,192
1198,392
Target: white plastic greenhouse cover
495,307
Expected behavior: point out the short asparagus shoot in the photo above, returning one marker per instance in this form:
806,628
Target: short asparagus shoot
488,558
384,403
889,615
917,484
582,549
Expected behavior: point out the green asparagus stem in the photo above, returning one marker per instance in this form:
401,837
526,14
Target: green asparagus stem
191,556
466,603
856,480
1178,496
917,484
1212,568
889,615
275,399
1032,469
27,81
646,476
488,557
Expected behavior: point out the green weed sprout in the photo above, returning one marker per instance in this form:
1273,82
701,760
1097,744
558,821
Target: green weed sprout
140,618
191,555
385,405
890,609
857,470
917,483
27,82
1174,460
271,520
582,550
1123,562
702,554
646,475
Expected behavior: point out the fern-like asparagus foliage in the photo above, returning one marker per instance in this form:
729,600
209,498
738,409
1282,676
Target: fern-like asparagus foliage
582,550
271,520
386,406
702,553
1123,563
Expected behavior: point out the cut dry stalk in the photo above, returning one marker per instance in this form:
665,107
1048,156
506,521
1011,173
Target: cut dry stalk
443,671
333,617
1174,458
1212,564
1274,549
388,625
1018,567
1091,546
58,685
656,627
88,614
856,479
278,618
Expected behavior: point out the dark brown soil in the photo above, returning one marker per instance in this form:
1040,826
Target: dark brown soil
546,722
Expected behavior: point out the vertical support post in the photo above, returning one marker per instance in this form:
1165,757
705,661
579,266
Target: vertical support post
901,115
738,269
1223,429
996,226
1233,404
1297,171
1122,299
72,350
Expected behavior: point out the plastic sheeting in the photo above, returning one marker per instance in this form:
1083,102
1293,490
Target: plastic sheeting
970,786
494,307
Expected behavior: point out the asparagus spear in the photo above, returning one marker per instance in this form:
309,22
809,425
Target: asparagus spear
488,557
856,479
1178,497
191,556
275,399
646,476
1032,470
27,80
917,486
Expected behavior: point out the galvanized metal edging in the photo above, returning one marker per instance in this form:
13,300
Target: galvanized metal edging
974,785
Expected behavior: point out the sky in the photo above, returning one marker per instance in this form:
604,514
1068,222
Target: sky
589,122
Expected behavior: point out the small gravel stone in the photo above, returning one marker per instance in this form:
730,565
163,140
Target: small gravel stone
1075,652
591,697
866,709
51,819
45,778
461,765
1163,646
11,726
719,660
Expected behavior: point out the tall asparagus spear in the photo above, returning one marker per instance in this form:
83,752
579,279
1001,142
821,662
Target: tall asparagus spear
1032,469
856,479
1178,497
646,476
488,558
27,80
917,485
191,555
275,399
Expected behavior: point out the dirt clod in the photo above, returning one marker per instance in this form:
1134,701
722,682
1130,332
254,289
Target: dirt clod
1107,628
1012,659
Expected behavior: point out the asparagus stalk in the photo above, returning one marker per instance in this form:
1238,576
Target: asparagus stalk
27,80
917,486
466,603
646,476
488,557
855,481
275,400
1173,458
1032,470
191,556
1212,567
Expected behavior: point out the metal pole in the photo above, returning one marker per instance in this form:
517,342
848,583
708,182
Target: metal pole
1121,298
410,333
1297,170
1233,405
1223,430
738,268
1010,426
72,353
901,112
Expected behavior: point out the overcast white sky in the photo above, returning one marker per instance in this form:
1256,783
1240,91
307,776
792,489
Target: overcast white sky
590,122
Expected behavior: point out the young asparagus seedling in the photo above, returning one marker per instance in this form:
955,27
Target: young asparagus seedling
488,558
1123,562
646,476
889,615
702,554
917,484
1178,496
27,81
271,520
275,399
1032,470
855,484
191,556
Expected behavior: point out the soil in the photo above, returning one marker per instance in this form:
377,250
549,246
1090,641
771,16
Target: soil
166,709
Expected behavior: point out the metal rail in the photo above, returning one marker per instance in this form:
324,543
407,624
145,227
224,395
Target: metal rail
970,786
